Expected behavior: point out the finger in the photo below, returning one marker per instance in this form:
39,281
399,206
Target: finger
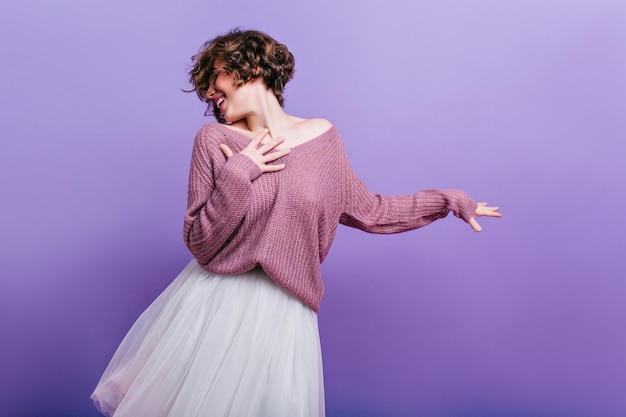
266,147
475,225
273,168
226,150
272,156
482,209
254,143
488,211
493,212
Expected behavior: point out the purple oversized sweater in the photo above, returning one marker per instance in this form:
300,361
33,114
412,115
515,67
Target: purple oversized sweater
239,218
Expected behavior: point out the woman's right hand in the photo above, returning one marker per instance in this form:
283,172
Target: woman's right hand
261,155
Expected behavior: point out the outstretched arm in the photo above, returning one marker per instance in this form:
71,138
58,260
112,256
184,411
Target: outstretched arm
377,213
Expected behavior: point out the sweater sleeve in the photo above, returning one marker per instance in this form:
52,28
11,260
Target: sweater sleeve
218,200
375,213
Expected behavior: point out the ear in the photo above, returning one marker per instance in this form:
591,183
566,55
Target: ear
257,79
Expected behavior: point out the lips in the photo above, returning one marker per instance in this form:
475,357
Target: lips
219,100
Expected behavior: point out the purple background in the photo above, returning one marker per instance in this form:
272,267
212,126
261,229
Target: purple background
519,103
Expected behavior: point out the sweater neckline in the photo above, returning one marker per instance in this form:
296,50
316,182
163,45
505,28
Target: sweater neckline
299,149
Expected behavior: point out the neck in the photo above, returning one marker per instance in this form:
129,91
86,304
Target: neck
267,114
275,122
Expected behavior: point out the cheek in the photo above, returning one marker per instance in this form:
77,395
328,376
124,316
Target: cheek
227,81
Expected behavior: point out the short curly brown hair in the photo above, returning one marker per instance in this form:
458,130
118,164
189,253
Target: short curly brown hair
248,54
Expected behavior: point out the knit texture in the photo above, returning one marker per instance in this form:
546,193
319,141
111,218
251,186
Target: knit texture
285,221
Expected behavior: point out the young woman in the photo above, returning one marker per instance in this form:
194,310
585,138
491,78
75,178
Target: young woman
236,333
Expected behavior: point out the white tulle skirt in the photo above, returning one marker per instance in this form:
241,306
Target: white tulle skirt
215,346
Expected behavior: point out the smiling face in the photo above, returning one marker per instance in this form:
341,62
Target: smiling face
249,58
221,82
231,99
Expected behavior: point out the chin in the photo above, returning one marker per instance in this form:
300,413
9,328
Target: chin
232,119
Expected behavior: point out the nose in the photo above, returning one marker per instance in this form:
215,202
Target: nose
209,93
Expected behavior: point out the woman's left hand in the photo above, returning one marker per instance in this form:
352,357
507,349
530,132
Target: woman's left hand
483,210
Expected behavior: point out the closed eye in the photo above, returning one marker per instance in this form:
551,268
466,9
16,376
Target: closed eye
214,75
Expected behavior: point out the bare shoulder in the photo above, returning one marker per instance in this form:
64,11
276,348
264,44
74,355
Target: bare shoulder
318,126
312,128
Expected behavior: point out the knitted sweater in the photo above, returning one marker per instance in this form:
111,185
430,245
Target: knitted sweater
239,218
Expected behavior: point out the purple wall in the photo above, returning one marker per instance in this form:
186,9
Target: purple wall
521,104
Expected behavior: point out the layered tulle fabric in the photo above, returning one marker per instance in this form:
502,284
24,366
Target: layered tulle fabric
217,346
